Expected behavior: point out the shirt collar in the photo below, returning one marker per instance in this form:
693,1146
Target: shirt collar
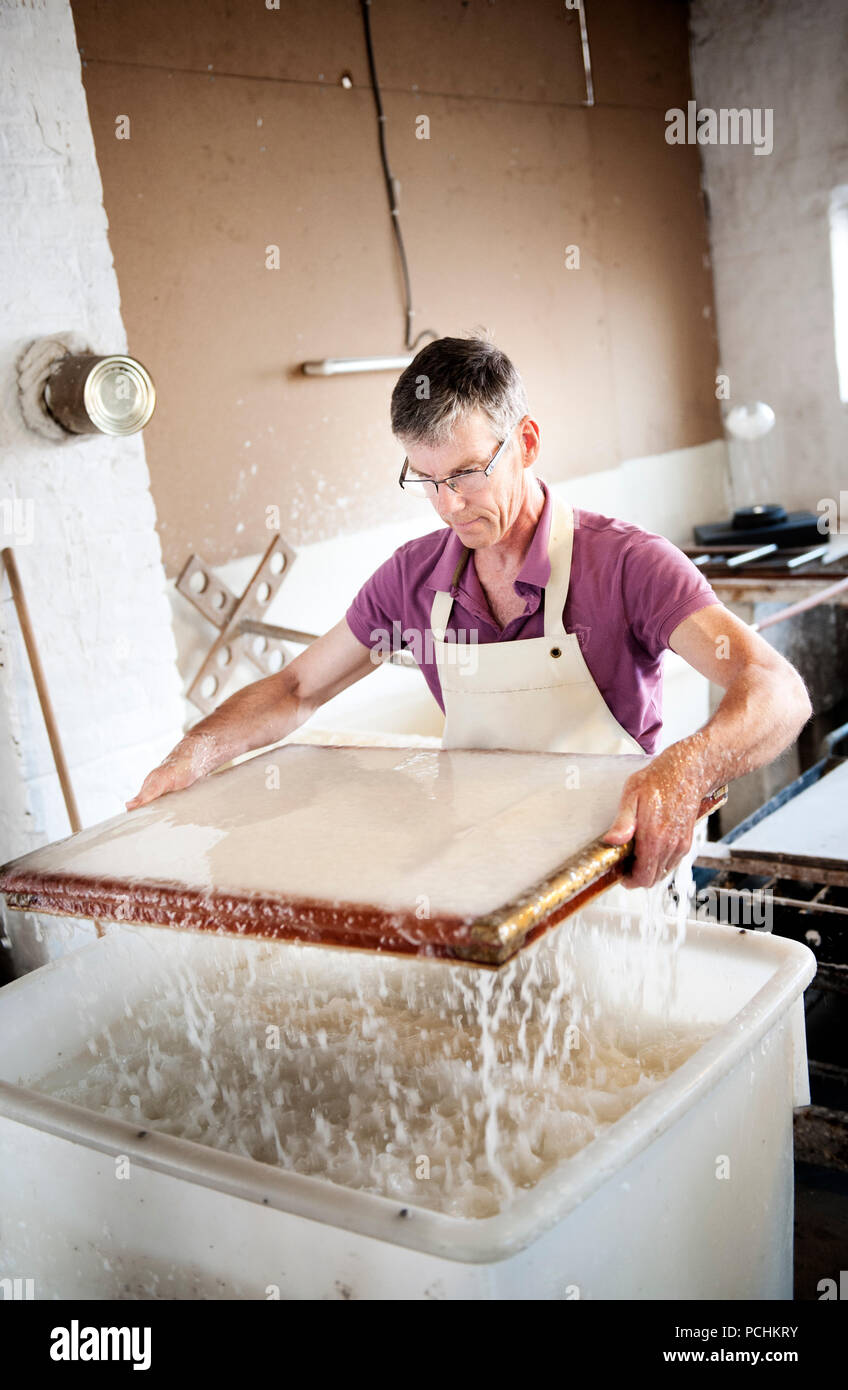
534,573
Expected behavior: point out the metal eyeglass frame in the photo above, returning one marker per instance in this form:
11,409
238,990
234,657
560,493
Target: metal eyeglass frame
448,482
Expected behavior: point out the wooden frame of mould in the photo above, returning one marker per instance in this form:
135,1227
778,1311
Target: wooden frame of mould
490,940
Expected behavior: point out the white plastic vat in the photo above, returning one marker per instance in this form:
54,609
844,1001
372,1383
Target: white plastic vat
689,1196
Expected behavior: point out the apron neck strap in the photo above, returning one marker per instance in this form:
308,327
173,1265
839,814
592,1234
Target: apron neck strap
560,546
443,600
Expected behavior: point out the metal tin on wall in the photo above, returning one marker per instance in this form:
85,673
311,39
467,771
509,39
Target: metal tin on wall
100,395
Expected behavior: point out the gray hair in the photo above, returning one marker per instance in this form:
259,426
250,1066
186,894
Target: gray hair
447,380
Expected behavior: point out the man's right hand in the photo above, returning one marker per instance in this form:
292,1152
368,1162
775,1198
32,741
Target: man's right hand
263,713
193,757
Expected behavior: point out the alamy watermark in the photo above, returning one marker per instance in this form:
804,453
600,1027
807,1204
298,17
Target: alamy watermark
726,126
17,519
17,1288
459,648
747,908
82,1343
833,515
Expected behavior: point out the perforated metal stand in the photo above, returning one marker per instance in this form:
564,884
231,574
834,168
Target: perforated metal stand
241,631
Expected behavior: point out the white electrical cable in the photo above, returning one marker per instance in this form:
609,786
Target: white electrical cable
587,57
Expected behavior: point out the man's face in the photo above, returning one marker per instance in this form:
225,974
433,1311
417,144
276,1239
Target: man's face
484,517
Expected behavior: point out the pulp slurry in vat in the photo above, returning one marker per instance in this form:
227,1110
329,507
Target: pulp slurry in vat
433,1083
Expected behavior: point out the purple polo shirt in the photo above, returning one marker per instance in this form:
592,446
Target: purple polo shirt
629,590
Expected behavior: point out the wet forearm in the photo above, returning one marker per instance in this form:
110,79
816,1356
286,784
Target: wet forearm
259,714
761,714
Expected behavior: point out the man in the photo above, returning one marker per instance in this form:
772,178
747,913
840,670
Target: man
561,617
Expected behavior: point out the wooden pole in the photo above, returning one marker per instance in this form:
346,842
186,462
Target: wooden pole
8,556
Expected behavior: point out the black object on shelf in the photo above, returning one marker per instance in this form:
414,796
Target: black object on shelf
766,523
755,518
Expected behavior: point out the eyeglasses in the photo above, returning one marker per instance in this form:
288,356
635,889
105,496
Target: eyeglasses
466,483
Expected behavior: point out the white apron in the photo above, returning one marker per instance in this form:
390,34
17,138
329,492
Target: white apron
534,694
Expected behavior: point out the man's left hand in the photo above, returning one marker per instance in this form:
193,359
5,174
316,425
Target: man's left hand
660,805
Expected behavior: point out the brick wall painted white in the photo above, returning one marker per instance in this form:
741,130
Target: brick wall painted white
91,567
